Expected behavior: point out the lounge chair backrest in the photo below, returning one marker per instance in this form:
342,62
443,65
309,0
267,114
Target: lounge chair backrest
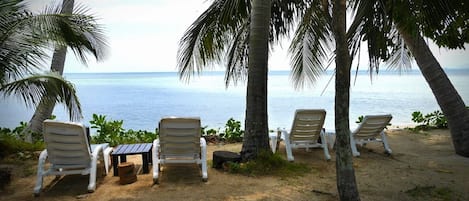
372,125
307,125
67,144
180,137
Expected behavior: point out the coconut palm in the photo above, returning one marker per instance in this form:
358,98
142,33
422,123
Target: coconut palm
24,40
255,138
222,32
310,48
45,107
385,24
208,37
446,22
346,183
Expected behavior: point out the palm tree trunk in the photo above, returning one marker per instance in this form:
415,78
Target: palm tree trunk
256,126
46,106
346,183
446,95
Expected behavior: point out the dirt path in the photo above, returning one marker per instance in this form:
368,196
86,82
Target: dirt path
422,167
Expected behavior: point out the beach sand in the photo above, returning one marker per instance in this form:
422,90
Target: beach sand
422,167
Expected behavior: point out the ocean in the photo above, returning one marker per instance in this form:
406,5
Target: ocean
142,99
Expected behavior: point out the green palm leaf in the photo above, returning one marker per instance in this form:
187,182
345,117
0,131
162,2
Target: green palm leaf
51,86
310,47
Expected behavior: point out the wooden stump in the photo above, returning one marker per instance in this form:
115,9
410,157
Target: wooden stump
220,157
127,173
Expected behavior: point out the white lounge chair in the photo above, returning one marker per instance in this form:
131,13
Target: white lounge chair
369,130
307,128
179,142
69,152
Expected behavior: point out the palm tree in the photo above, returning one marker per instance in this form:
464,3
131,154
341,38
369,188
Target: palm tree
446,23
223,32
256,121
45,108
310,48
346,183
24,39
206,40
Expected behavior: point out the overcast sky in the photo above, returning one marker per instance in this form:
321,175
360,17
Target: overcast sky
143,36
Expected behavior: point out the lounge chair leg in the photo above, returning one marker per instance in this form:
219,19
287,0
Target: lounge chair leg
385,143
273,143
353,145
106,153
324,146
93,170
288,149
156,160
203,147
40,173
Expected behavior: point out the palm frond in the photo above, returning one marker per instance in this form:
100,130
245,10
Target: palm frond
401,57
205,41
371,24
220,33
50,86
237,64
79,31
25,36
310,47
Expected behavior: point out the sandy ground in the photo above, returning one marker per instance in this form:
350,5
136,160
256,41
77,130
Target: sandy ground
425,162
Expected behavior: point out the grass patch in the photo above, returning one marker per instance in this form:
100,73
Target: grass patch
432,193
267,163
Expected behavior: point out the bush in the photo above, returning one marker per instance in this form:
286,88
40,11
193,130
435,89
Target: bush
112,132
11,142
233,131
435,119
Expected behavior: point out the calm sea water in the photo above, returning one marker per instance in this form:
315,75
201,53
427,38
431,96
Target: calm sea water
142,99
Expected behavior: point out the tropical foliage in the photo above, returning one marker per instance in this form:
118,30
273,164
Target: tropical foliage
25,39
434,119
112,132
12,142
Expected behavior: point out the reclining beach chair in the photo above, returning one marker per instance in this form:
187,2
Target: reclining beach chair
307,128
369,130
68,151
179,142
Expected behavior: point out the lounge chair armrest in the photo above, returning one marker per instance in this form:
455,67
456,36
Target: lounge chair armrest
96,150
43,155
203,148
156,144
155,151
203,143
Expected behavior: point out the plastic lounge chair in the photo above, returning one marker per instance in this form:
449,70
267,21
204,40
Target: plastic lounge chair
307,128
69,152
369,130
179,142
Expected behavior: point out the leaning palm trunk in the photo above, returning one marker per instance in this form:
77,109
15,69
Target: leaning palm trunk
46,106
446,95
346,183
256,136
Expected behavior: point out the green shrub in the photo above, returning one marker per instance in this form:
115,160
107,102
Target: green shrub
112,132
435,119
233,131
12,143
